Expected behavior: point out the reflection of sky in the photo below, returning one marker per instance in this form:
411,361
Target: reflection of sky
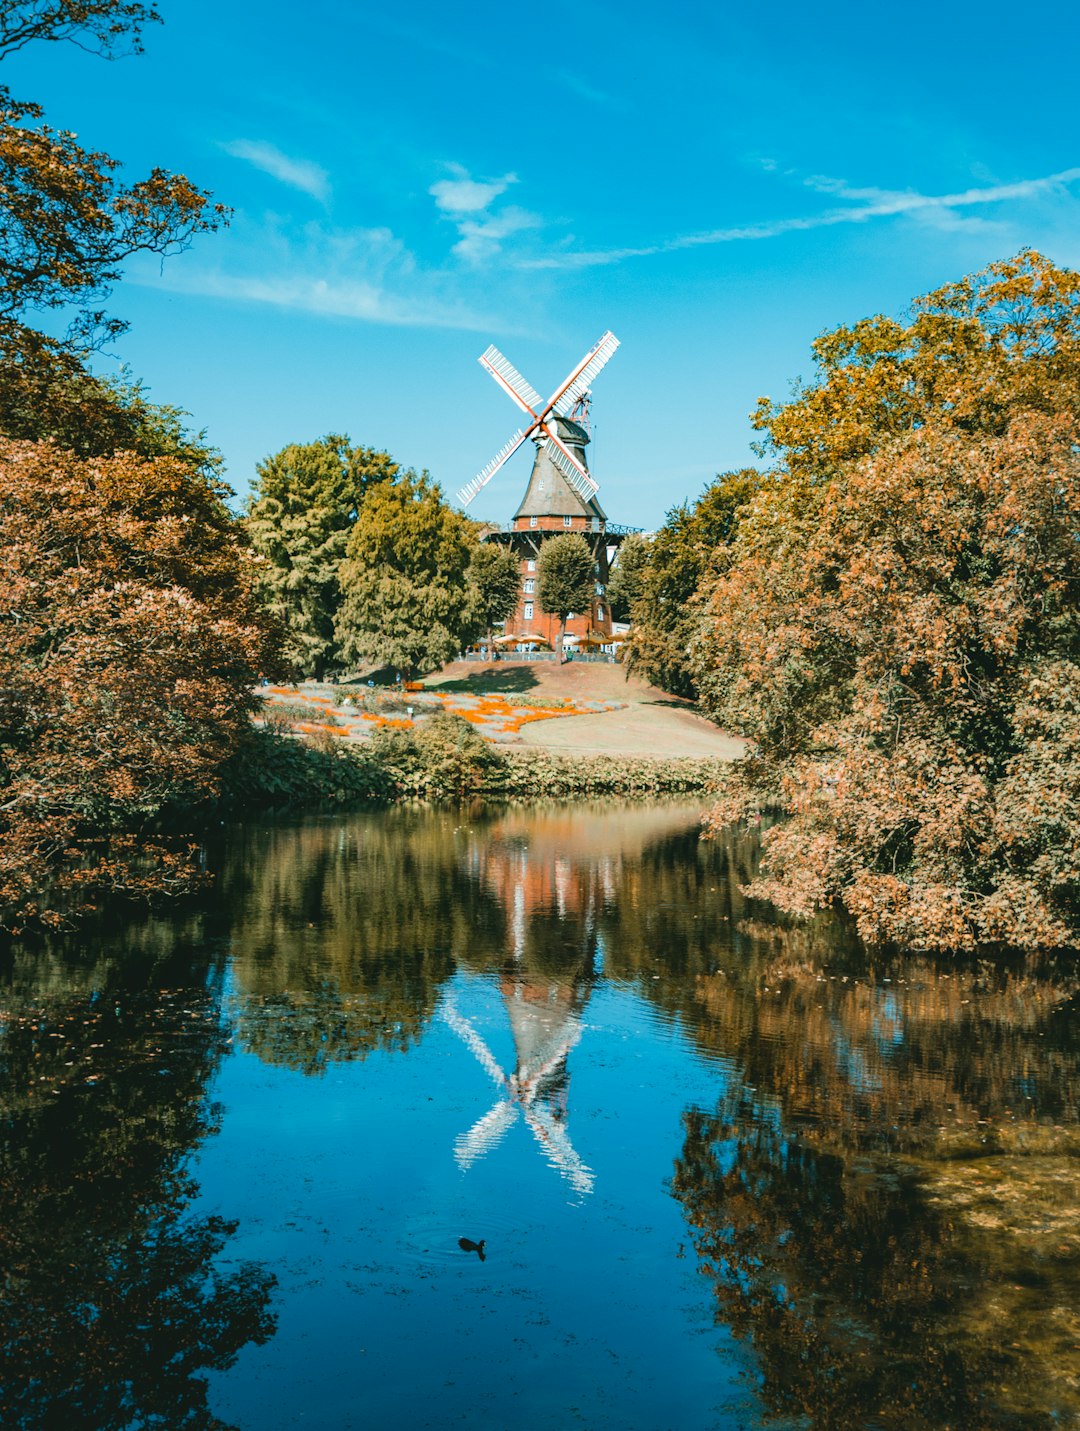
348,1185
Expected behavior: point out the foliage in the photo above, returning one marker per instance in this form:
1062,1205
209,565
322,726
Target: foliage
405,602
303,506
129,645
68,225
974,354
898,632
565,576
104,27
539,775
442,759
626,580
665,579
119,1295
270,769
495,584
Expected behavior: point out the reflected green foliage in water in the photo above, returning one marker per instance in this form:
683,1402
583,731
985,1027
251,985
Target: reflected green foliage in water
345,932
116,1300
843,1278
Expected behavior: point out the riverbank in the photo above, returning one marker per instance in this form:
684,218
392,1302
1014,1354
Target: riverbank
440,759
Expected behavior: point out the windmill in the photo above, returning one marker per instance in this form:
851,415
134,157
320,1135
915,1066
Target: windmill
544,417
543,1037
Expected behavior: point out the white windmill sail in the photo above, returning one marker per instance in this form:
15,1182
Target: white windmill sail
577,475
581,379
510,380
484,476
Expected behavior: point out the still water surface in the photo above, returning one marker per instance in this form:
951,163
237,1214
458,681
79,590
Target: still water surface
529,1120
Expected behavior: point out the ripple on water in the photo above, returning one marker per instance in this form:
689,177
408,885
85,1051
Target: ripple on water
432,1239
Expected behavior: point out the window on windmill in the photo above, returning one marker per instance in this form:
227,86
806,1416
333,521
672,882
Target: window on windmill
600,613
530,586
599,588
530,566
528,611
567,521
596,524
532,521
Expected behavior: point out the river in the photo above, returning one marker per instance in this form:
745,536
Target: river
529,1119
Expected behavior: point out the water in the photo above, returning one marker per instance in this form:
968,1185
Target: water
726,1171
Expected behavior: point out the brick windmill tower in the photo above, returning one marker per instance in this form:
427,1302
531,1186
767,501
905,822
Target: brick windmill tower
561,495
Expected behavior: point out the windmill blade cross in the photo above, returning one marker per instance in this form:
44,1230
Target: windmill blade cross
561,402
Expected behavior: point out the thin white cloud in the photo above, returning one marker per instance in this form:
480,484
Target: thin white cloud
367,275
303,174
865,205
482,238
465,195
576,85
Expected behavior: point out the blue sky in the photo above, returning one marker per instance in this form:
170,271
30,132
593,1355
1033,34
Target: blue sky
715,184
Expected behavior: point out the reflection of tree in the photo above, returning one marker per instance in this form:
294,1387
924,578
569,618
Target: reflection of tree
345,931
847,1283
115,1299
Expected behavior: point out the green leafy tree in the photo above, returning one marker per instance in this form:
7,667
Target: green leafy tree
495,584
626,579
666,576
305,502
898,625
404,580
565,578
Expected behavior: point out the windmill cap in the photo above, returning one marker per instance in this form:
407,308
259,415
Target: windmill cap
571,431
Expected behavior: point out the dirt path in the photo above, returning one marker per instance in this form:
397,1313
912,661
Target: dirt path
650,723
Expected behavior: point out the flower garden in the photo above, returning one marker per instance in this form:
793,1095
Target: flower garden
353,713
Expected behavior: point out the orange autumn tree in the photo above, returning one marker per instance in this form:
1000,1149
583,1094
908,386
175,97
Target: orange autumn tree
898,630
130,643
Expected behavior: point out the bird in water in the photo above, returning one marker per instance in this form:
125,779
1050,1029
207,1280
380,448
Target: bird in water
468,1245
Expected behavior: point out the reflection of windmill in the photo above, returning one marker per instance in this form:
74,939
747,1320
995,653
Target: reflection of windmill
546,1026
550,423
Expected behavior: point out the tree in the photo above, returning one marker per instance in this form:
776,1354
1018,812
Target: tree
565,579
404,596
130,643
897,629
304,504
626,579
974,354
101,26
495,584
68,225
664,611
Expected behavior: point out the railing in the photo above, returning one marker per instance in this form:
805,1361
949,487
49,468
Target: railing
604,529
596,657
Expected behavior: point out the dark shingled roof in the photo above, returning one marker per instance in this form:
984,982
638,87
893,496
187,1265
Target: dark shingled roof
549,494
